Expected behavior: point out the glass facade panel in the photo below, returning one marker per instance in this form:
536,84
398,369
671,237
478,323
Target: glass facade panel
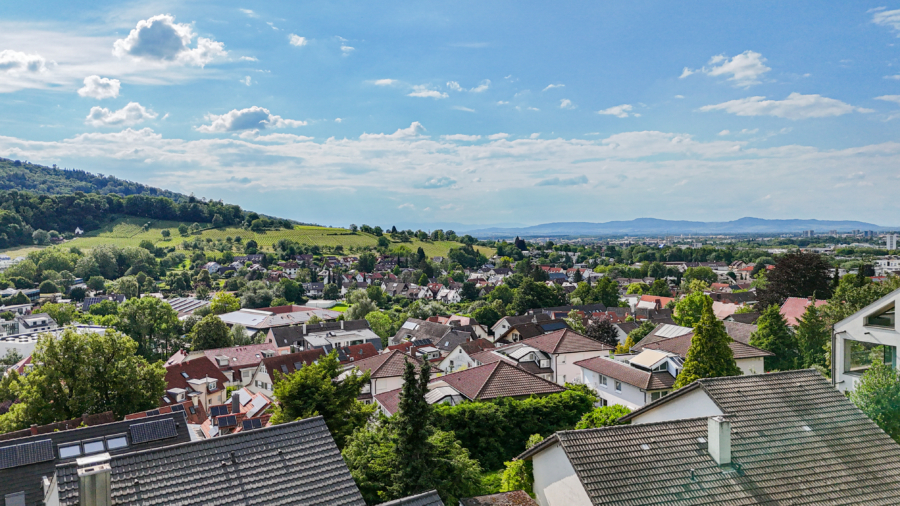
859,356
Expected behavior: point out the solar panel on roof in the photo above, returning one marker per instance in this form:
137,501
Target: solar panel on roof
247,425
257,423
26,453
227,421
178,407
153,412
152,431
284,368
219,410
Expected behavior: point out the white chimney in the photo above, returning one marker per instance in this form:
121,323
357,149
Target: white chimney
94,480
719,440
342,324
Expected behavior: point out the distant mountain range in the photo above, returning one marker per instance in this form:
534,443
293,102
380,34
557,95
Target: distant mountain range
653,226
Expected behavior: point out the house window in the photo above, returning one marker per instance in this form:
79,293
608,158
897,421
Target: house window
93,446
69,451
656,395
884,318
116,442
618,386
859,356
602,380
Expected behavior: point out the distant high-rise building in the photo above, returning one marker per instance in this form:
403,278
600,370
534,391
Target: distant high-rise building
891,241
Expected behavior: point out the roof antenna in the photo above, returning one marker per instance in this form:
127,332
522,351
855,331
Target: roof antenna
692,475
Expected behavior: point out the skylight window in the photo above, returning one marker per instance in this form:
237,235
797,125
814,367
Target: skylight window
645,446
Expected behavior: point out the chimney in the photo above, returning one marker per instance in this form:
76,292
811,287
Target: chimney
719,440
235,402
94,480
342,324
304,329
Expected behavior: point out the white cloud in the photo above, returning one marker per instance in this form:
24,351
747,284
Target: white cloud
679,96
890,19
250,119
161,39
297,40
461,108
724,132
453,85
889,98
497,136
461,137
131,114
744,69
347,49
246,80
534,135
556,181
248,58
619,111
795,106
100,87
566,104
551,86
502,102
406,206
749,131
249,13
338,120
425,91
15,62
414,130
385,82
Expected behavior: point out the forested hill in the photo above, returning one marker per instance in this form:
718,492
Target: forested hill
18,175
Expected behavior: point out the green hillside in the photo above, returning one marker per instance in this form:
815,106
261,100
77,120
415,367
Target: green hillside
18,175
129,231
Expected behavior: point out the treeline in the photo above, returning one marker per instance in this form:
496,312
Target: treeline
22,213
18,175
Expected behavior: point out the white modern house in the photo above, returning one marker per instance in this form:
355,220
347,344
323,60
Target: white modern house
634,380
862,337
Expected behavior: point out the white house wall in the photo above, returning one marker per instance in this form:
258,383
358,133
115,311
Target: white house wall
853,328
381,385
555,481
750,366
693,404
565,369
631,396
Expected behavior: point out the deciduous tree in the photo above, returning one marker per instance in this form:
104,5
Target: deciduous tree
210,333
877,394
797,274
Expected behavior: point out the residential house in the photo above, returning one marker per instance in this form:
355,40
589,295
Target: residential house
633,381
212,267
504,324
653,302
25,343
552,356
90,301
270,369
36,322
261,320
290,268
861,337
386,372
245,411
30,461
460,357
184,306
466,323
794,307
528,330
198,380
780,438
491,381
414,329
324,335
749,359
237,363
254,462
314,290
196,415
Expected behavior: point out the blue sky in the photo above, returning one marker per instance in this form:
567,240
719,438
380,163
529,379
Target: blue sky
478,113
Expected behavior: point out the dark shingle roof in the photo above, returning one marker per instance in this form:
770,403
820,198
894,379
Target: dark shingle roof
843,457
385,365
680,345
627,374
744,317
294,463
289,362
516,498
740,332
286,336
499,379
427,499
28,478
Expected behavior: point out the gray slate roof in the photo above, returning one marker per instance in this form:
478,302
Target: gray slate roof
427,499
294,463
844,458
28,478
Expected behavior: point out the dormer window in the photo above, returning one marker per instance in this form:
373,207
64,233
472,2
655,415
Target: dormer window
212,386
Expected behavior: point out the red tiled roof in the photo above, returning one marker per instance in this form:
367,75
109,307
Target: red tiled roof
357,352
241,356
386,365
794,307
197,368
627,374
499,379
565,341
279,363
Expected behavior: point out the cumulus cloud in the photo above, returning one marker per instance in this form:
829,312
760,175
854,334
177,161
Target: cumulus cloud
498,136
890,19
619,111
795,106
551,86
100,87
248,58
415,129
347,49
555,181
131,114
246,80
246,120
297,40
424,91
461,108
161,39
461,137
744,70
724,132
385,82
566,104
453,85
889,98
16,61
436,182
249,13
